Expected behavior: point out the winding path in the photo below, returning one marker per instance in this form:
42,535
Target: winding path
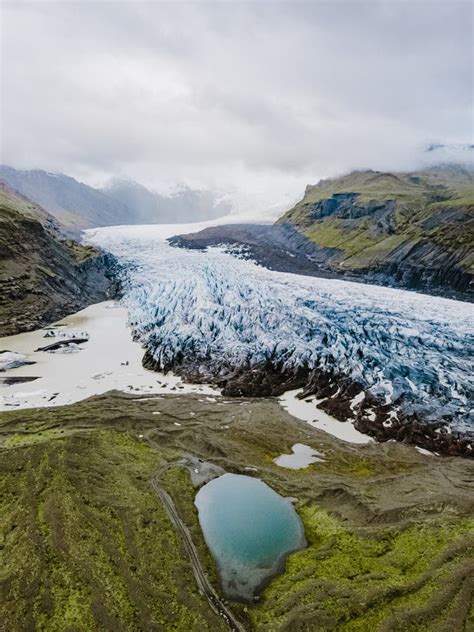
203,583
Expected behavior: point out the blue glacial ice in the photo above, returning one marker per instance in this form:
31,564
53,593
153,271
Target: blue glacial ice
226,312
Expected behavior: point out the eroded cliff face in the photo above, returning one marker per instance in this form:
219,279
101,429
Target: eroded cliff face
43,276
414,230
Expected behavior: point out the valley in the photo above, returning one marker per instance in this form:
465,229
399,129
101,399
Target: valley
236,316
349,401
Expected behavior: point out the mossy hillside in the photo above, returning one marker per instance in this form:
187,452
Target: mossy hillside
43,275
435,206
88,545
12,204
373,579
369,185
18,214
439,186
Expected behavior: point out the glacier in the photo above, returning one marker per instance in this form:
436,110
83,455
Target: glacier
408,349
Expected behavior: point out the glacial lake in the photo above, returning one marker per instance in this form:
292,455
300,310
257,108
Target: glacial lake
249,529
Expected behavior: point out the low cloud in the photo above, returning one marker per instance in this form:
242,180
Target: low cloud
256,99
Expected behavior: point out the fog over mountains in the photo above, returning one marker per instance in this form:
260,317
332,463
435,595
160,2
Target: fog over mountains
78,206
185,205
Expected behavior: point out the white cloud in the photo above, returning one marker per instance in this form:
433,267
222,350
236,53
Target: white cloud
254,98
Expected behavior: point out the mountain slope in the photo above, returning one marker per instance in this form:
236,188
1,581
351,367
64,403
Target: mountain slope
186,205
412,228
74,204
78,206
43,276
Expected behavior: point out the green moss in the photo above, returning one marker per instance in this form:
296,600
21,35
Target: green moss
332,234
89,544
358,579
363,469
29,438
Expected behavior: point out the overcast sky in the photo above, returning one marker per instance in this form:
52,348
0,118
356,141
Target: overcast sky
257,98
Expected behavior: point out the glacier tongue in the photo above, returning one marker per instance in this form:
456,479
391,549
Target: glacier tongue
225,312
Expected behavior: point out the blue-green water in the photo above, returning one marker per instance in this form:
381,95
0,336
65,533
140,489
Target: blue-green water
249,529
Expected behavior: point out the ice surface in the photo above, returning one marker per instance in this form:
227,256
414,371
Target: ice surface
405,347
9,360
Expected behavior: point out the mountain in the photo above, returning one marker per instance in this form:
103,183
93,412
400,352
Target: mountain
186,205
78,206
413,228
74,204
43,276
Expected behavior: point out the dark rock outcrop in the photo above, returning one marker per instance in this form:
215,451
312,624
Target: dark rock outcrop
277,247
43,276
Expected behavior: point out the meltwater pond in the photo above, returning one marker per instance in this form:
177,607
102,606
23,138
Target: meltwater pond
249,529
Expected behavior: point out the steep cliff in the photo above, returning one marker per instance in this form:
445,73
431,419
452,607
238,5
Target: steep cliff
414,229
44,276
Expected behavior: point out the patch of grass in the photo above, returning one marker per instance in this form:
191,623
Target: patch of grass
331,234
29,438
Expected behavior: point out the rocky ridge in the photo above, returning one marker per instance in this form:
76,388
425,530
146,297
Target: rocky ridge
44,275
412,229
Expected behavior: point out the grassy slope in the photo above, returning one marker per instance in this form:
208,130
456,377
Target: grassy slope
423,201
376,579
87,546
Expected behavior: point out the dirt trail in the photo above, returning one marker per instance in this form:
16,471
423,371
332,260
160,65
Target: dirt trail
203,583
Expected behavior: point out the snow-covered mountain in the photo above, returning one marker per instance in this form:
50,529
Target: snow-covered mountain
409,350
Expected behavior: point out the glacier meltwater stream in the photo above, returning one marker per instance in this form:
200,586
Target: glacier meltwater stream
409,349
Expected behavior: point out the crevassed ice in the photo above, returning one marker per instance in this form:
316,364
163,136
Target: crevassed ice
226,311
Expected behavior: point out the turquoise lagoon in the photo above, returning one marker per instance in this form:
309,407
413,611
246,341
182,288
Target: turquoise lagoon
249,529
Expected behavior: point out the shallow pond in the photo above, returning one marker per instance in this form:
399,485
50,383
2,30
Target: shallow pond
249,529
302,456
